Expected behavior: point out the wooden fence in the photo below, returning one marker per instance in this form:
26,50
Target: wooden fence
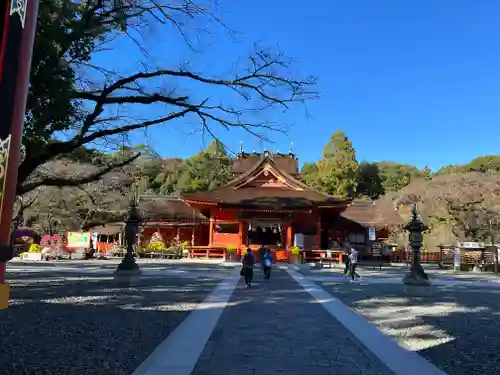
401,256
444,257
207,252
313,256
220,252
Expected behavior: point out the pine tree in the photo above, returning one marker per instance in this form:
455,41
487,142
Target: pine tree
309,174
337,170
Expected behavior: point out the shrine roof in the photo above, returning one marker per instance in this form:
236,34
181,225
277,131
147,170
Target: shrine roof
262,197
287,163
167,208
371,214
251,189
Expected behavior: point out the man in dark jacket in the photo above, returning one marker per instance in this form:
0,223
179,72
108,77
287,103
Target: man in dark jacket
347,251
248,262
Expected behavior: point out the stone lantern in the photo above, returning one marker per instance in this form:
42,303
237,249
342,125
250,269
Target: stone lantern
416,274
128,266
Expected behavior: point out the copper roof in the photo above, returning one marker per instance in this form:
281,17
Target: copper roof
278,198
167,208
370,214
287,163
294,195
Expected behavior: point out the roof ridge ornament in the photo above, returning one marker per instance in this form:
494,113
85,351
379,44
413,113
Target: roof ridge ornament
268,154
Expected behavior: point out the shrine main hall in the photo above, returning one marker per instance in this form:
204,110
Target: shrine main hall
264,204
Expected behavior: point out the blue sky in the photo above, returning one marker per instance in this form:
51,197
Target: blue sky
417,83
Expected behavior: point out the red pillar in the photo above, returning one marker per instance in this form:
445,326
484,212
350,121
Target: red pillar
17,36
289,236
241,233
211,234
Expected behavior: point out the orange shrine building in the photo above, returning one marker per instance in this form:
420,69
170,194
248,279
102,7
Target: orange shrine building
265,204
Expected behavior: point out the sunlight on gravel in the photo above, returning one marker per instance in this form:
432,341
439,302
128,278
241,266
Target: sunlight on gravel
405,323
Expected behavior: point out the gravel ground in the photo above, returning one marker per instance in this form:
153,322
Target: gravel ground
89,324
454,327
400,271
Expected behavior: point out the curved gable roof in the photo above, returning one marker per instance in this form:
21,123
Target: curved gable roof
292,194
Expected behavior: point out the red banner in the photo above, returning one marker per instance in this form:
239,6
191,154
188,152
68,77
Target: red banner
18,23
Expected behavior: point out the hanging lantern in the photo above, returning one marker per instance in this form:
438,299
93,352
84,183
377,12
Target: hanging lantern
263,229
249,226
275,230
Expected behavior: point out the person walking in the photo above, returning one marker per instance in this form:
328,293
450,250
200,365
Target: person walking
248,263
347,252
268,263
353,261
262,253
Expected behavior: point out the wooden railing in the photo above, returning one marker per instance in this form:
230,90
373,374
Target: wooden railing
207,252
313,256
280,255
401,256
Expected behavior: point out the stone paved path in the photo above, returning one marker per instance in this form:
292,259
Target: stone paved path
277,328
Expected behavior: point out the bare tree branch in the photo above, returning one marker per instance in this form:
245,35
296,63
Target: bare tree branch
54,181
92,105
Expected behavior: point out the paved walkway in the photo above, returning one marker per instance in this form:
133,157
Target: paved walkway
278,328
288,325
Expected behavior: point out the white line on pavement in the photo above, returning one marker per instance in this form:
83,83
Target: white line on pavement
396,358
179,352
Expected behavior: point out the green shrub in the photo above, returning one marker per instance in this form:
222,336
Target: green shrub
174,250
155,247
231,248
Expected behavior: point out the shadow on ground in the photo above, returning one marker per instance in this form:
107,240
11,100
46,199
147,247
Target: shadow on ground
455,327
92,327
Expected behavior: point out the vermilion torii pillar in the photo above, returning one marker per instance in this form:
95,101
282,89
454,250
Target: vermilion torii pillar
17,33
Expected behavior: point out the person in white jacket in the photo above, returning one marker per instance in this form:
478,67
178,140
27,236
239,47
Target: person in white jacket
353,262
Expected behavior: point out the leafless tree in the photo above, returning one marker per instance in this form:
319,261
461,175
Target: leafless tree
21,205
104,99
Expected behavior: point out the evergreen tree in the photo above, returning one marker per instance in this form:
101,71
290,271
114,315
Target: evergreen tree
309,174
337,170
369,182
206,170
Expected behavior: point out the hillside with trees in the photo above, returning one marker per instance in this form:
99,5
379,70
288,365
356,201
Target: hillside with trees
456,202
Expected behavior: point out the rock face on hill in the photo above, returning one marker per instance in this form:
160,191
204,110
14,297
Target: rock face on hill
454,206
